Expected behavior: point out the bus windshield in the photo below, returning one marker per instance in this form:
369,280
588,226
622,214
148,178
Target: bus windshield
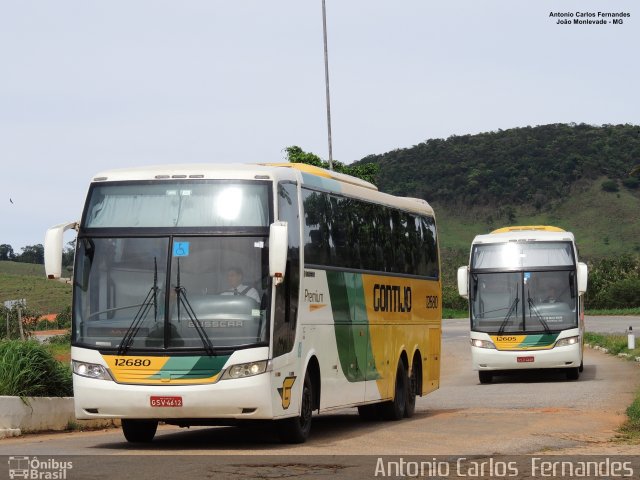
519,255
527,301
171,292
170,204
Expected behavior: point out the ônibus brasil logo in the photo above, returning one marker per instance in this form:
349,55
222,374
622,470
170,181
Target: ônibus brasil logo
33,468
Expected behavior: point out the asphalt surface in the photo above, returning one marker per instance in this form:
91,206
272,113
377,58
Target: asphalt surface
526,414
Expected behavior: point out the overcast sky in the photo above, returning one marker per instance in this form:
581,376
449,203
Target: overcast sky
86,86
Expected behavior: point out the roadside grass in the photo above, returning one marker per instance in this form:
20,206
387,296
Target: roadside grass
28,369
60,348
614,311
615,343
19,268
42,295
630,430
453,313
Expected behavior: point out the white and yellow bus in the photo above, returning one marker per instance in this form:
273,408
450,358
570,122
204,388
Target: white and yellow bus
525,288
335,301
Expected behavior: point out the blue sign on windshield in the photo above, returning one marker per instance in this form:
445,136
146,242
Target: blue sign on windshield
181,249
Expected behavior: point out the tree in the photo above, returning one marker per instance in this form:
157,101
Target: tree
68,254
31,254
6,252
365,171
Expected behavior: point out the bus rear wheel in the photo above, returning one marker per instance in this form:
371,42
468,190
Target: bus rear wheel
412,391
297,429
139,431
394,410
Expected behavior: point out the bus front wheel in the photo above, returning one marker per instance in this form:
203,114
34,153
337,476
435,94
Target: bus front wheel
297,429
139,431
573,373
485,376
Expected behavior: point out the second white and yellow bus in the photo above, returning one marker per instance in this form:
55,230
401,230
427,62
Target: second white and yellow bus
525,287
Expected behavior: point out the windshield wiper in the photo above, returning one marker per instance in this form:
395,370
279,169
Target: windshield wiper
514,307
181,294
150,300
534,309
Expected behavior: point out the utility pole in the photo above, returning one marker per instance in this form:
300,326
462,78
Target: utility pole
326,82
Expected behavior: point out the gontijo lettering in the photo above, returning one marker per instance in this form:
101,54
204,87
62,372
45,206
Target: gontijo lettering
391,298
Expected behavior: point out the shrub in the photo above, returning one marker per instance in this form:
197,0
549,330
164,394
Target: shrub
64,318
64,339
604,274
610,186
451,298
625,293
631,182
27,369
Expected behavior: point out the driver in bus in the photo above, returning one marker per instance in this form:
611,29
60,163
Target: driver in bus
236,287
552,295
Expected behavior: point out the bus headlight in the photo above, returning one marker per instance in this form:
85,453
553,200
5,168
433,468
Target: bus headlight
243,370
563,342
482,343
90,370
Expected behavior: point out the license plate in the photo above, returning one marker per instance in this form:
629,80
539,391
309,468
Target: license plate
525,359
166,401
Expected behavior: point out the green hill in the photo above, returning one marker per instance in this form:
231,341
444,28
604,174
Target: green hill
605,224
27,280
550,174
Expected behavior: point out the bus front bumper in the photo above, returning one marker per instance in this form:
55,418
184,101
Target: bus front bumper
569,356
245,398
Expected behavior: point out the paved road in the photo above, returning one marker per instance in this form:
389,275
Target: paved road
612,324
599,324
532,412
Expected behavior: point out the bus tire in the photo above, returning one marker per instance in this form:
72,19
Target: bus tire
139,431
394,409
581,368
573,373
485,376
412,391
297,429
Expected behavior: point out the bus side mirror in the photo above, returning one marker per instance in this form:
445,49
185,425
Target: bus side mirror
53,249
463,282
582,278
278,246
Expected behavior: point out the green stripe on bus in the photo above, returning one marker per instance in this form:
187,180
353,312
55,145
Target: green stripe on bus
191,367
351,326
543,340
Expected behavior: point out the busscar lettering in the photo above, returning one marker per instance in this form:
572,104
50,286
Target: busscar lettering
391,298
218,324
